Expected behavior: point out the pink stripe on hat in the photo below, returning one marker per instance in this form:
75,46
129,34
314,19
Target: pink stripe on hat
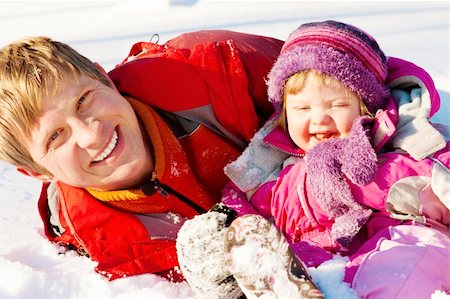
344,41
339,50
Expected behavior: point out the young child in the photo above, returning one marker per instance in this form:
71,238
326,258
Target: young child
352,183
125,157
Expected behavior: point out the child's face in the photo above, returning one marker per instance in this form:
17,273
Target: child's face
318,113
88,136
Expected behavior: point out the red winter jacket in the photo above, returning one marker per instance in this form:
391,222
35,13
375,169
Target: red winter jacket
214,78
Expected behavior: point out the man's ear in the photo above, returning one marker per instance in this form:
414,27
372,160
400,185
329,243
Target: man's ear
34,174
102,70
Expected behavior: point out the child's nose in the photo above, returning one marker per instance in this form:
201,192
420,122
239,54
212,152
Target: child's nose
318,116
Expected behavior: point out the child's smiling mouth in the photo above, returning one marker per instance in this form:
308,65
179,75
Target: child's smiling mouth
323,136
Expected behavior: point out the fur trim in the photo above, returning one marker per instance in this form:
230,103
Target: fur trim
341,66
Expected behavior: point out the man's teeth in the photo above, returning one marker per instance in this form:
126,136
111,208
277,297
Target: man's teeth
112,144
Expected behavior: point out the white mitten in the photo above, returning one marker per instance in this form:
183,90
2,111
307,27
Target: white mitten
200,249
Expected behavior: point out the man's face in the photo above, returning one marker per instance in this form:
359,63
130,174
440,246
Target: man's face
88,136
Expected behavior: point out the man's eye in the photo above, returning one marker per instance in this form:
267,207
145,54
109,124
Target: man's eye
53,137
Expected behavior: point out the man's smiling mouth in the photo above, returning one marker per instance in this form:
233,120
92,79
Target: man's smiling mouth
108,150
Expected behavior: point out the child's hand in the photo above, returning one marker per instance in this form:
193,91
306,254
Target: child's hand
358,158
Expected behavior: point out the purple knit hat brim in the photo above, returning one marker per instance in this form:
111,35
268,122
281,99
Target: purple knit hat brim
343,67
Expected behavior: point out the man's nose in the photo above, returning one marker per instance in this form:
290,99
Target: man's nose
86,132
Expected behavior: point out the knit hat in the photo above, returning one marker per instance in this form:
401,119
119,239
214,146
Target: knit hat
339,50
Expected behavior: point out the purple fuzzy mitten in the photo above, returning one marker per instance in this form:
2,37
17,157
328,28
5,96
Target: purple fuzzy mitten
328,164
359,160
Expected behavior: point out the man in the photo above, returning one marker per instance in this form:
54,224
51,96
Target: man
127,157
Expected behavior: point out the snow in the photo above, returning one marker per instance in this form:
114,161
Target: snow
31,267
329,276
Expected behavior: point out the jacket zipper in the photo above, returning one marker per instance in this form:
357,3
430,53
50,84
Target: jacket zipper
156,186
81,250
283,150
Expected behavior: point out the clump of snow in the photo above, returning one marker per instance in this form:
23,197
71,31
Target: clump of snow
329,276
440,295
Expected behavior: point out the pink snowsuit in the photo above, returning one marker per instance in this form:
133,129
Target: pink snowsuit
395,253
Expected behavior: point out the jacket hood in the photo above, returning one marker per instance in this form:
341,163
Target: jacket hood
406,75
417,100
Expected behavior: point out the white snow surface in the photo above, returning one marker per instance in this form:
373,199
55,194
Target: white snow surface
32,267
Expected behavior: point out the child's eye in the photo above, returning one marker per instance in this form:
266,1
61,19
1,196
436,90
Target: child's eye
339,105
302,108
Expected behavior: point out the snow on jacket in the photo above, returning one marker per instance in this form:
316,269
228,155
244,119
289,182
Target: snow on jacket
211,83
410,187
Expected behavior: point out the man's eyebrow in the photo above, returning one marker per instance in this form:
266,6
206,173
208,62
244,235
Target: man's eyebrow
81,90
40,146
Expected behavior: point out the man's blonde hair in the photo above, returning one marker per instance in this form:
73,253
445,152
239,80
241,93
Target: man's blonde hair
32,69
296,83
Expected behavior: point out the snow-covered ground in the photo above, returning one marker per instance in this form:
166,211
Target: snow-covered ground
31,267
